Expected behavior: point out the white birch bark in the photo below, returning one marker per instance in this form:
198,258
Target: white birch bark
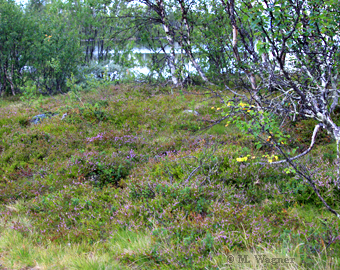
171,42
188,47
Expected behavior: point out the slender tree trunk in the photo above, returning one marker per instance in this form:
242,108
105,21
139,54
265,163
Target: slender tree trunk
335,95
1,86
92,49
4,80
171,42
338,161
230,9
172,55
197,67
188,47
9,77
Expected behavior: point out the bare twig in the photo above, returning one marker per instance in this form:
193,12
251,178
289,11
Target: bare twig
309,180
316,128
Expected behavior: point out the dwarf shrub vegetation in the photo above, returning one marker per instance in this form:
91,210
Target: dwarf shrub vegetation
124,173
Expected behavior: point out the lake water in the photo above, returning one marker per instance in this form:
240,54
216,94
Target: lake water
144,55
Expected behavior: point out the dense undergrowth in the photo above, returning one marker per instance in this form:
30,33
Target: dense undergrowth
127,177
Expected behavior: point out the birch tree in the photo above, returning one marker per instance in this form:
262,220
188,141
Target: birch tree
289,51
159,7
15,45
177,23
186,36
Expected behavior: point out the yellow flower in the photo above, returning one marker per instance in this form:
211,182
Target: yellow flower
241,159
253,157
229,104
218,108
270,160
276,157
249,111
227,125
212,108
